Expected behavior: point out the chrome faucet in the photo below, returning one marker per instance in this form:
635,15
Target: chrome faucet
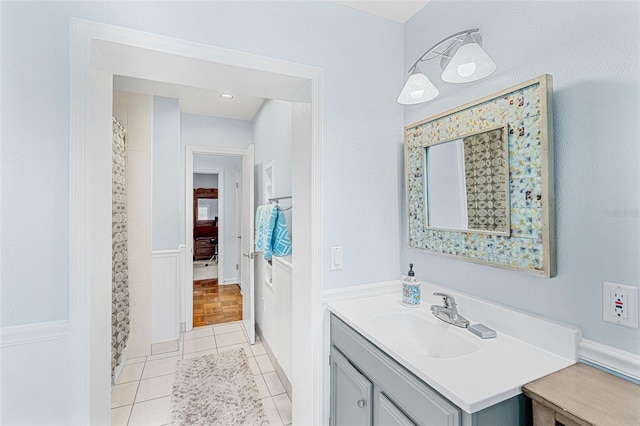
449,312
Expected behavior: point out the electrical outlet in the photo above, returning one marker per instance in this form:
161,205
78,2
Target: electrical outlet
620,304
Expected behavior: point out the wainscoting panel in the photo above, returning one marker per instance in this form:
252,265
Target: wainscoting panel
281,346
36,374
165,297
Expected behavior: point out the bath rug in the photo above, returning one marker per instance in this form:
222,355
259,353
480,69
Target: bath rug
216,390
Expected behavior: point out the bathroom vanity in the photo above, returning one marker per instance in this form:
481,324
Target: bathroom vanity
393,365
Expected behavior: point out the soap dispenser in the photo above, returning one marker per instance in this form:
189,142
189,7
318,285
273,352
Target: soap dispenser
411,289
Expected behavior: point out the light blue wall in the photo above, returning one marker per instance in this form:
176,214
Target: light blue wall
271,129
591,49
362,60
202,130
201,180
272,135
166,188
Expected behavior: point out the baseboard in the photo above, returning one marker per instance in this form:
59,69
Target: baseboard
24,334
616,361
359,291
276,365
229,281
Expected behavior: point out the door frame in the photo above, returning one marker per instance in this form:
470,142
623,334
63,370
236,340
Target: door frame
190,152
91,98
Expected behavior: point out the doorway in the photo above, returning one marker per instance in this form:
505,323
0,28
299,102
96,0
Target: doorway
90,195
217,296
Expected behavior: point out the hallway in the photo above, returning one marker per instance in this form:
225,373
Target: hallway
143,392
216,304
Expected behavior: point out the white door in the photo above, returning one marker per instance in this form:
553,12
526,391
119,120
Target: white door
247,243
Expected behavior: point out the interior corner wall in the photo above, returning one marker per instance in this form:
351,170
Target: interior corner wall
201,180
592,56
272,136
167,191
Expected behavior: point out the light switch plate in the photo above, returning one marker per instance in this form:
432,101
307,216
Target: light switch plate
336,258
620,304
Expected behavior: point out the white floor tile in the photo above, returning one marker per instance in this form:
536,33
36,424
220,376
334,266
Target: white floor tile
124,394
258,349
253,365
201,353
164,347
247,350
160,367
283,404
120,415
156,387
263,390
136,360
227,328
198,332
272,412
166,354
199,344
131,373
265,364
273,383
151,413
230,339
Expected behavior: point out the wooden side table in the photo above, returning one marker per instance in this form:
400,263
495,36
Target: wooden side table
583,395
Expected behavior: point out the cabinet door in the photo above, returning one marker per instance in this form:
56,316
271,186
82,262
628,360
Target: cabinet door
351,393
387,414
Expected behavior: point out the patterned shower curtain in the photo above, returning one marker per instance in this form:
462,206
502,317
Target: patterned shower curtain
120,269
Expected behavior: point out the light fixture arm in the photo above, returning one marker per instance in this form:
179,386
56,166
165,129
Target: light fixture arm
455,38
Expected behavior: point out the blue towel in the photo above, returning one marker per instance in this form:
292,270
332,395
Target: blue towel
272,235
265,223
281,241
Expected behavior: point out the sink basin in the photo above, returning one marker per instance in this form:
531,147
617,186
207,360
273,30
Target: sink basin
425,336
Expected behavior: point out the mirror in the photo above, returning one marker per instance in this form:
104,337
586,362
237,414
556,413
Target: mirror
207,208
479,180
467,183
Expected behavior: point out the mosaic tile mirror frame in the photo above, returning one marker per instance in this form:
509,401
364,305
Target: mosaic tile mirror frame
525,112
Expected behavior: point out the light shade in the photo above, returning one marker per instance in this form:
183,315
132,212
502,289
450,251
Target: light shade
417,89
469,63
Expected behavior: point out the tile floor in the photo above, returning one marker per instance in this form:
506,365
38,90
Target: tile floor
143,391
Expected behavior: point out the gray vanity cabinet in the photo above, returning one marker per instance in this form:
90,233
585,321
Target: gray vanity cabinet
388,414
368,387
352,393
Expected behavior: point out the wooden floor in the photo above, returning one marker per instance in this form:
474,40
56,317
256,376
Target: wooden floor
214,304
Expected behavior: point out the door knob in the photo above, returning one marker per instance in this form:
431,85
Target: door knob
361,403
251,255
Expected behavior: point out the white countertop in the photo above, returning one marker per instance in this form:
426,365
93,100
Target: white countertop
493,373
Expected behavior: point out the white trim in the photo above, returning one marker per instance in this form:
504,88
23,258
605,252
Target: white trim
166,253
25,334
626,363
359,291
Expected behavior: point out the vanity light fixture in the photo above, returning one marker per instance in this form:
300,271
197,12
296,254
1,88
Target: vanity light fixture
462,60
225,96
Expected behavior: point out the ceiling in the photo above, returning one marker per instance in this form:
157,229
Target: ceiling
194,100
395,10
204,99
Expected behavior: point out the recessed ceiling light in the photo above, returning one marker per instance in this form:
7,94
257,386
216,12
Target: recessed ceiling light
226,96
